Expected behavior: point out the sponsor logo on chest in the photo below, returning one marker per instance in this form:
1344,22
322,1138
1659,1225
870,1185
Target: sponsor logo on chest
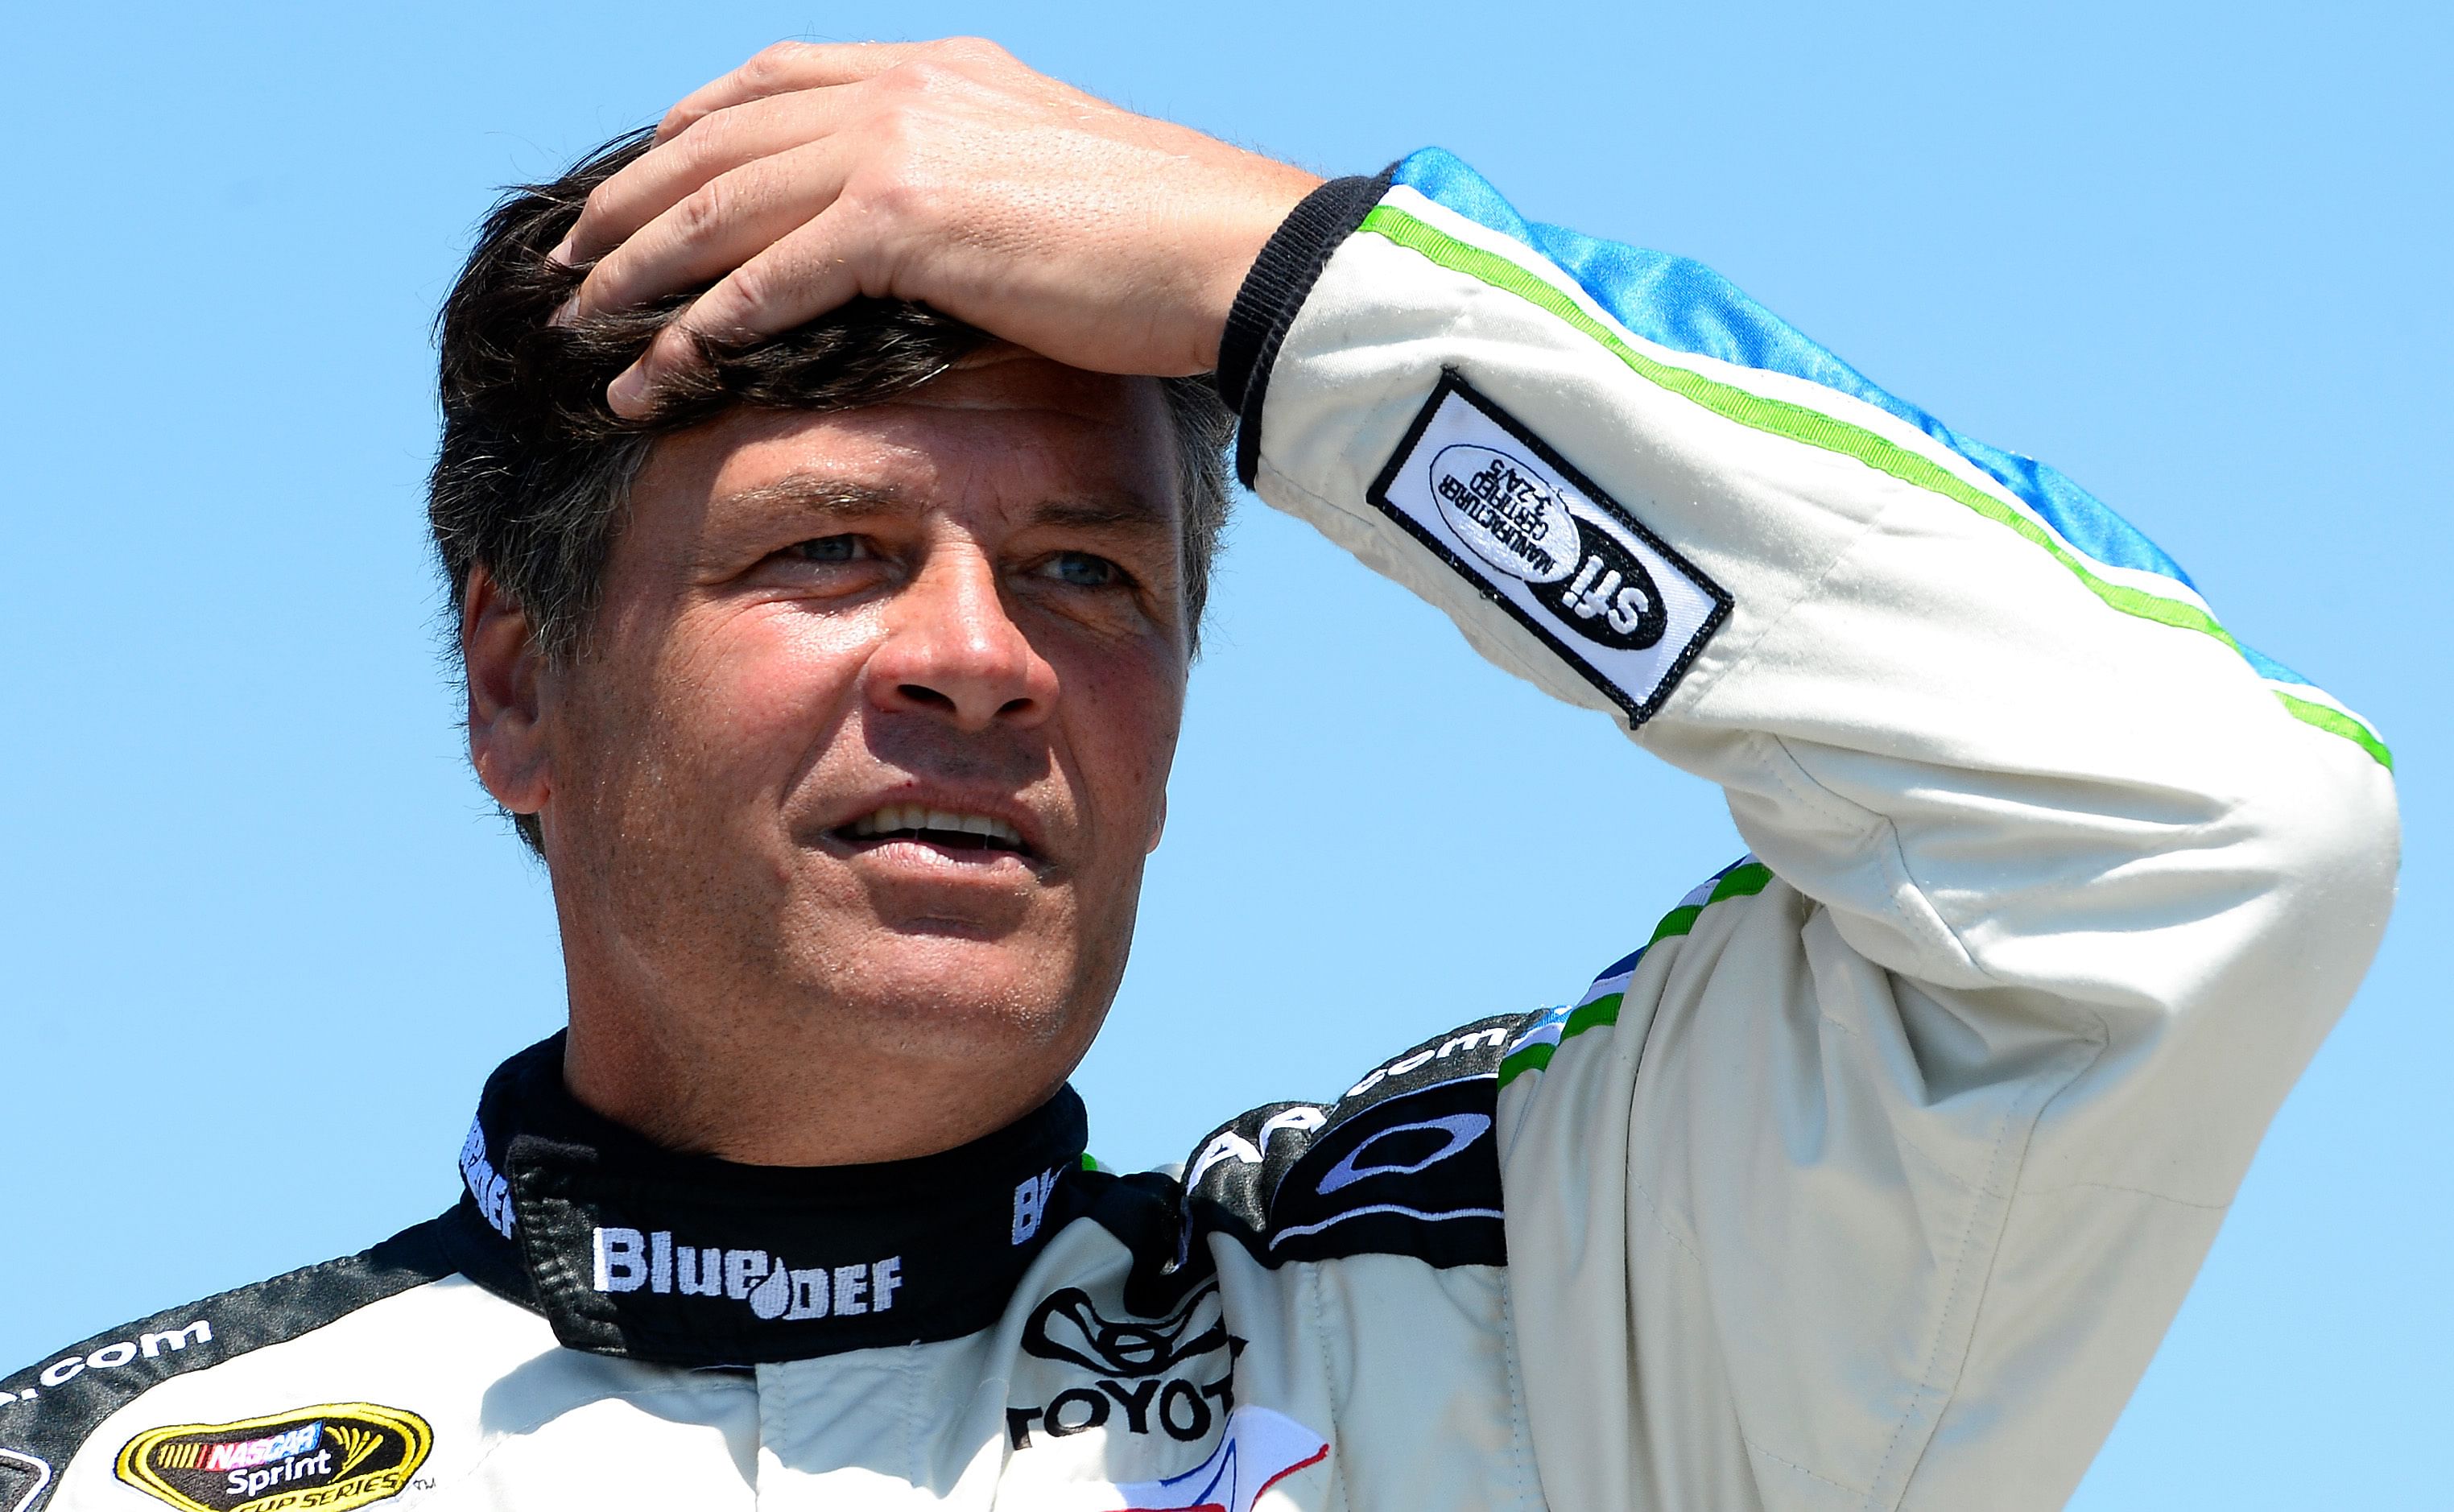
329,1458
629,1259
1157,1372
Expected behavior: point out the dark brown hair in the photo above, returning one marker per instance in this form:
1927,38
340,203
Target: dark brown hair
534,469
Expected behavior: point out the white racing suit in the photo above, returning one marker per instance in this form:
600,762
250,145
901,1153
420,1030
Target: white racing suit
1870,1181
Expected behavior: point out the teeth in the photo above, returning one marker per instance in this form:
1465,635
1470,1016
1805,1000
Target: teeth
895,816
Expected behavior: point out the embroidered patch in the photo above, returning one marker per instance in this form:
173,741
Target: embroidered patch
1545,543
329,1458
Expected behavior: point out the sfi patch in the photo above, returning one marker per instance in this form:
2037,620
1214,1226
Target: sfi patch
328,1457
1540,540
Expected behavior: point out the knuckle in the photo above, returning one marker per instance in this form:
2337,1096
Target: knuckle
972,49
905,196
694,131
776,63
593,212
703,211
706,139
730,309
919,76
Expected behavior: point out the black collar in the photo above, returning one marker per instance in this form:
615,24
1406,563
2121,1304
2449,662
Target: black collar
629,1249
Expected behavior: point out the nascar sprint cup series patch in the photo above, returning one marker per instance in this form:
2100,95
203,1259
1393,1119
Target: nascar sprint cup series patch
329,1458
1547,545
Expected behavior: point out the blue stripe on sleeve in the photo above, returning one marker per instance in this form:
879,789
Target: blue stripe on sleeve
1682,304
2271,668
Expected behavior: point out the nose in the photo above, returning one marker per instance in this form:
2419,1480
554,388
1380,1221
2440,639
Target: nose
951,649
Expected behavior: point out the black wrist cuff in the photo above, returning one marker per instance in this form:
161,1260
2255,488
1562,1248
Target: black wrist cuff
1282,279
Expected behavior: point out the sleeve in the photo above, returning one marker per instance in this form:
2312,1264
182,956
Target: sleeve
1875,1179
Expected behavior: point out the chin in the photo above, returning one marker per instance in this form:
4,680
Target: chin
948,995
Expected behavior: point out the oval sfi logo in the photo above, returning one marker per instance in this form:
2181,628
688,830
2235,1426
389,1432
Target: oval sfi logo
1505,512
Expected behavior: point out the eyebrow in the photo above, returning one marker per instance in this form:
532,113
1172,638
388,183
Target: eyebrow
830,498
1130,512
836,499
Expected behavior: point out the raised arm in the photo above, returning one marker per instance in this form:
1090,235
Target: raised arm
1876,1178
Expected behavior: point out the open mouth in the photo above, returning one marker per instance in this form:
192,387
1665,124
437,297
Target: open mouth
944,827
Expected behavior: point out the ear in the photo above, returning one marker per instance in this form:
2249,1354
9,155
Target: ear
1158,825
506,741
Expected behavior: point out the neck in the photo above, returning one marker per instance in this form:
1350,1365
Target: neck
782,1090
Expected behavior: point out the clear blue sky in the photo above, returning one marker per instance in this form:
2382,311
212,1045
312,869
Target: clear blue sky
261,937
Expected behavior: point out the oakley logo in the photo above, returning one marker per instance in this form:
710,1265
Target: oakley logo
1434,1141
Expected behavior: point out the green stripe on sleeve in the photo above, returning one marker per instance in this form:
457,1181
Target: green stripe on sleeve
1677,921
1601,1013
1742,881
1532,1057
1796,422
2335,721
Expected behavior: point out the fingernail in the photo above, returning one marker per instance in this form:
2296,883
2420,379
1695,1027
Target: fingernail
565,313
561,253
628,394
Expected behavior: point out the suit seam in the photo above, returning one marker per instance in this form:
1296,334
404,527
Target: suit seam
1528,1487
1328,1371
1864,1497
2008,1185
1927,1389
1653,1210
2132,1191
1278,477
1742,654
915,1424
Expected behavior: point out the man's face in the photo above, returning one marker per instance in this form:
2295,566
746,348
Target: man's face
873,726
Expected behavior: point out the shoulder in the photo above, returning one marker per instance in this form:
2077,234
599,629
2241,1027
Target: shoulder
1405,1162
48,1409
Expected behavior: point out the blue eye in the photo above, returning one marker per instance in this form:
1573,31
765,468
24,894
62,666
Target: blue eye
833,548
1082,570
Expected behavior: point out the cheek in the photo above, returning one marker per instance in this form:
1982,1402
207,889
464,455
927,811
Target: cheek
743,692
1122,717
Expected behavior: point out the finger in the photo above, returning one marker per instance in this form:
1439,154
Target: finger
715,229
714,145
786,67
797,280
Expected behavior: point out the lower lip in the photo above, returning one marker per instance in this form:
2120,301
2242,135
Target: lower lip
942,859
